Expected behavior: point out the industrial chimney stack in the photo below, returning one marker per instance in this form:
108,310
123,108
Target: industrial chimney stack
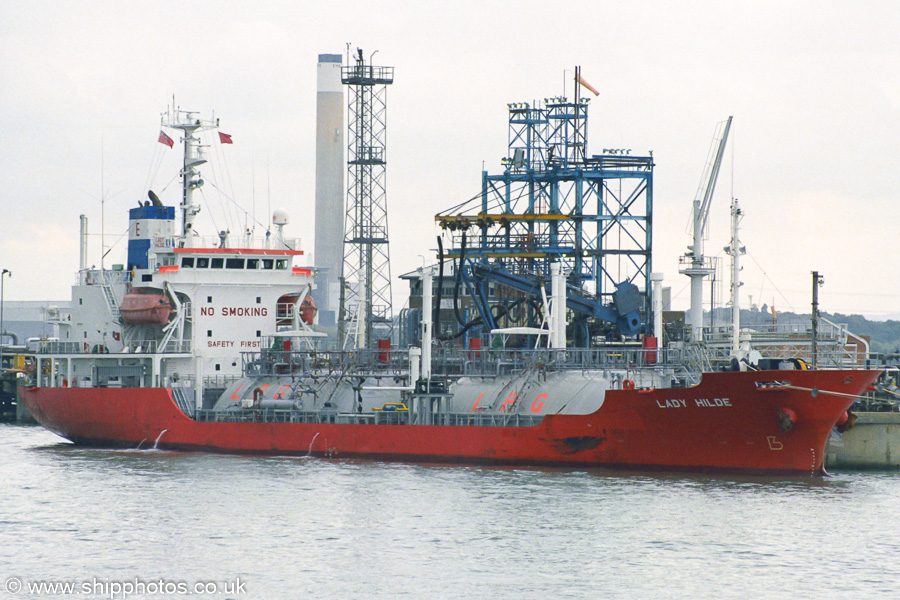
329,188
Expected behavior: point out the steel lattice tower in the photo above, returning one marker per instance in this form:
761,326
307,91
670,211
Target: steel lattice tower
366,276
556,203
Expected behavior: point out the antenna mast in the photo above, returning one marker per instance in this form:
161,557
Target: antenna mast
194,156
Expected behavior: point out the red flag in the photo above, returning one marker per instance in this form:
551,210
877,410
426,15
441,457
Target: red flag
164,139
224,138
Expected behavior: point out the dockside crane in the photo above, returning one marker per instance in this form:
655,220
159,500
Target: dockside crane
694,264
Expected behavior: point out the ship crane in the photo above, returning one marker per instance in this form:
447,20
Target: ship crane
694,264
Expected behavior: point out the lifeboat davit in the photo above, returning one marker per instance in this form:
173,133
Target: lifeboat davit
307,309
145,309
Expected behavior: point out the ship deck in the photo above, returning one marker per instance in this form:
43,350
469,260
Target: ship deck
400,417
683,364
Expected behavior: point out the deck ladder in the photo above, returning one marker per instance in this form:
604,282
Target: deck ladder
111,301
180,395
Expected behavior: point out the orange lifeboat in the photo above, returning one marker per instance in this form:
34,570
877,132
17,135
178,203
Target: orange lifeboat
307,309
145,309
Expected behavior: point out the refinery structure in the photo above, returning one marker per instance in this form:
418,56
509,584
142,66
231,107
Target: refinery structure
554,204
557,204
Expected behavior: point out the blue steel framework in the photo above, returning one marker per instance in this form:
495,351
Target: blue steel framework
366,275
553,203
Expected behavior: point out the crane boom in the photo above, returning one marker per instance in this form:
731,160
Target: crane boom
711,176
695,264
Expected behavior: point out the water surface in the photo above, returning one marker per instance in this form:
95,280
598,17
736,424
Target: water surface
318,528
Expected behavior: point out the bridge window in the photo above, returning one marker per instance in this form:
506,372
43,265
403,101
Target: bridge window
268,263
188,262
217,263
202,263
252,263
234,263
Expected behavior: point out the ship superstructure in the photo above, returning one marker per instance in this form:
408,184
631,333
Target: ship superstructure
185,305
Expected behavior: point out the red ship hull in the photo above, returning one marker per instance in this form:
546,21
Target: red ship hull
726,424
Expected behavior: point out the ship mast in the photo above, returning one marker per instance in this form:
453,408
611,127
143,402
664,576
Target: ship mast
734,249
194,156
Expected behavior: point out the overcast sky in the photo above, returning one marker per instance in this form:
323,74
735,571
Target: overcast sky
814,88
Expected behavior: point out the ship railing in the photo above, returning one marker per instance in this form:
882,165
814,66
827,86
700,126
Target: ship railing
155,347
99,348
219,381
504,361
687,263
57,347
173,347
831,353
456,362
269,362
244,242
103,277
209,381
836,345
268,415
827,331
57,315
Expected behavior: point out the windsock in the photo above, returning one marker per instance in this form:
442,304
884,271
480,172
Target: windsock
586,84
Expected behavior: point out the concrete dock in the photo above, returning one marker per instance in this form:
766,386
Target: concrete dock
873,443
